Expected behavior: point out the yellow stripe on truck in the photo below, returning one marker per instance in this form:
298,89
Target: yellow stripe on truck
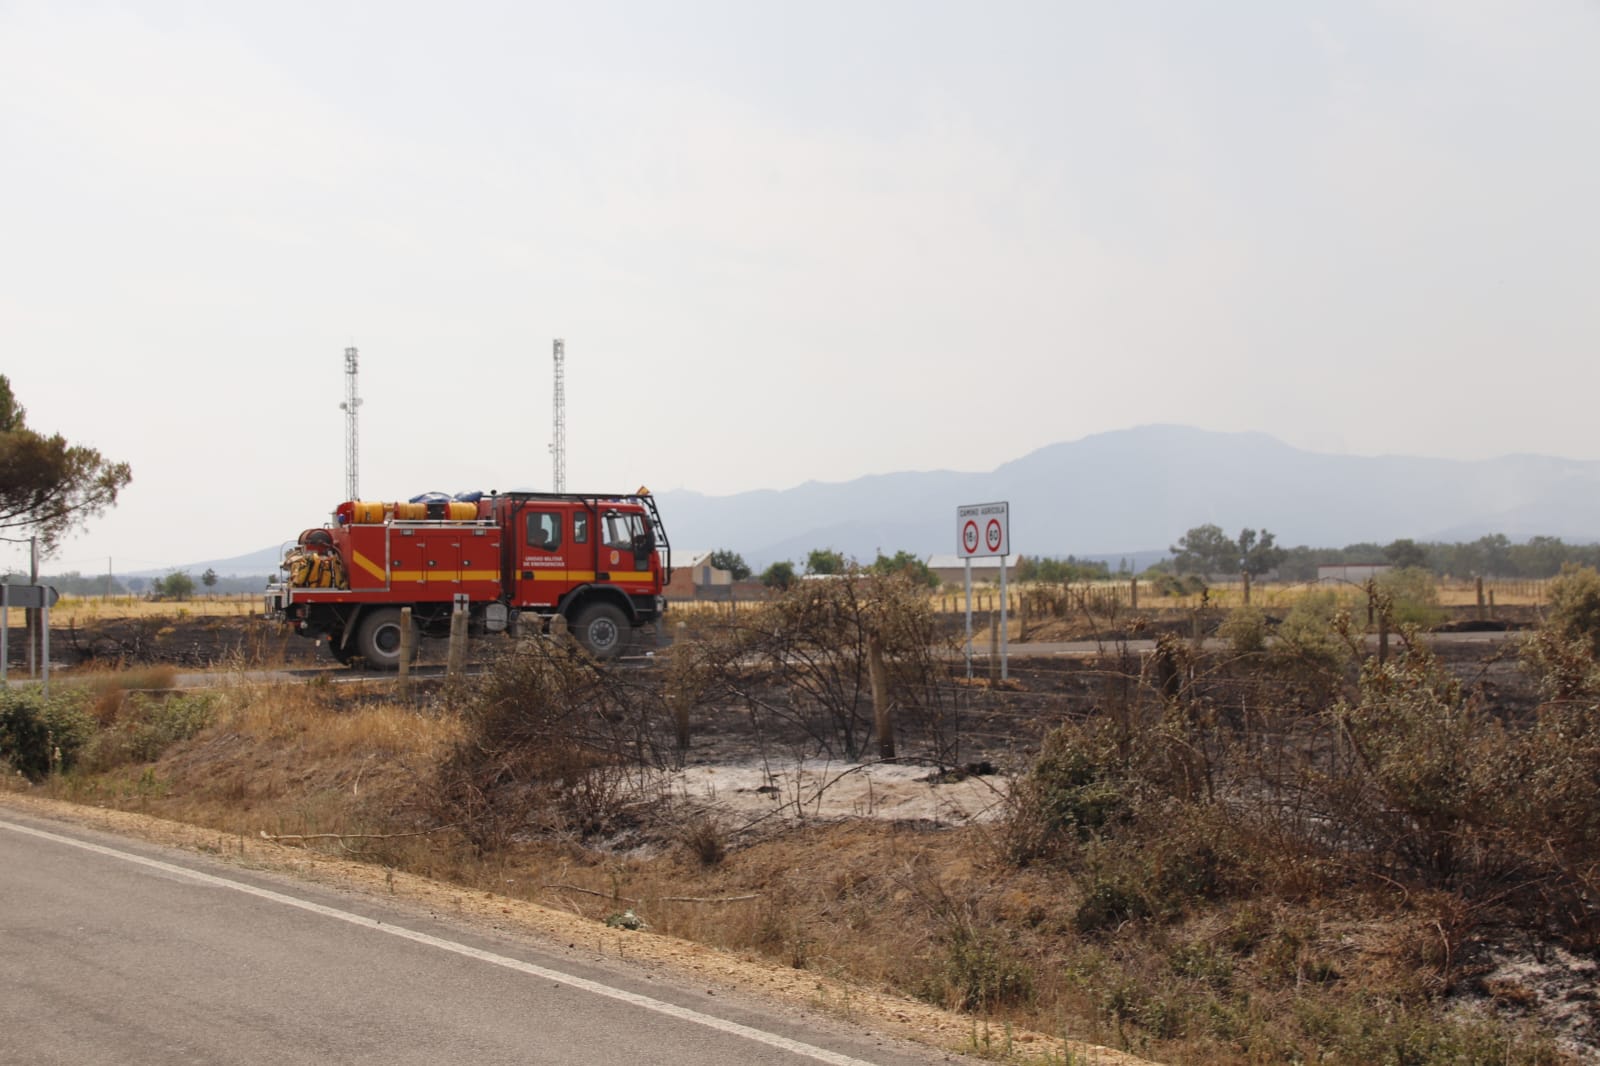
455,576
617,576
370,567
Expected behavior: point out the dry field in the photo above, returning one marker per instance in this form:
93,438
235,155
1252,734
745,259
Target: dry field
1191,925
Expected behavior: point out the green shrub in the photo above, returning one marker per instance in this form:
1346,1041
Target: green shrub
1575,606
1411,596
1245,630
39,734
1312,642
978,973
1436,765
1074,789
146,727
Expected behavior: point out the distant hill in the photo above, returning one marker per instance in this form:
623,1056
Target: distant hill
1136,491
1129,494
255,564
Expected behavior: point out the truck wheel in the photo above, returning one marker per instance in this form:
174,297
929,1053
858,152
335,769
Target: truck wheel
344,653
603,629
378,639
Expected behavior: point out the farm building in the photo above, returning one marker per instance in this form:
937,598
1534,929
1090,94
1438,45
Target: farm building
952,569
694,578
692,572
1350,573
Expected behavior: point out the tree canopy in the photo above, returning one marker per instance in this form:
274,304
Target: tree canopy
46,484
731,561
903,562
825,561
779,575
1208,550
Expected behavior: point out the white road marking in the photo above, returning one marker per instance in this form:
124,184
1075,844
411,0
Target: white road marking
671,1010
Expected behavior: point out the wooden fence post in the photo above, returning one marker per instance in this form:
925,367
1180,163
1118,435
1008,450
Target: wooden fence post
402,678
1480,599
456,660
1133,593
994,646
1246,575
882,717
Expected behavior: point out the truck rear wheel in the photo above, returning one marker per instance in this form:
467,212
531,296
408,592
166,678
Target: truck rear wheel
603,629
378,639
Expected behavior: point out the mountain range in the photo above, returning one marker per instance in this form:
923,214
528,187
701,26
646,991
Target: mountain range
1131,493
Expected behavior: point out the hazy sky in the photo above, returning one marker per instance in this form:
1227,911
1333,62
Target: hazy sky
783,242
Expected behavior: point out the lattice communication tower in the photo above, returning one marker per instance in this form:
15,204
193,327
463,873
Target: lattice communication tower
352,448
558,422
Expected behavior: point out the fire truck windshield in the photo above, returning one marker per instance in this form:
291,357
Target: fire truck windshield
620,529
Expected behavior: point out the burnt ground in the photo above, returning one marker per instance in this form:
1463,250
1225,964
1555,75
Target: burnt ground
985,722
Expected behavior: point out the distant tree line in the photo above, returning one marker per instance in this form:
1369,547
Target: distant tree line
177,585
1495,555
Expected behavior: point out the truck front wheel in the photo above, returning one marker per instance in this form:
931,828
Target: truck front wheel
378,639
603,630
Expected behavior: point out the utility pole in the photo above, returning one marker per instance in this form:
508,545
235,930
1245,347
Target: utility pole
33,612
558,422
352,451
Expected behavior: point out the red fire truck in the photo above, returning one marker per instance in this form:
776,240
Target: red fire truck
599,561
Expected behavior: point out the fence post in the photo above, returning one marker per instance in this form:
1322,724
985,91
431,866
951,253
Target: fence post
883,718
402,677
994,646
1246,575
1133,593
1480,598
456,660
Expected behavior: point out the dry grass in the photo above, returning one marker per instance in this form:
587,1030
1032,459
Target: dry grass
80,610
1202,940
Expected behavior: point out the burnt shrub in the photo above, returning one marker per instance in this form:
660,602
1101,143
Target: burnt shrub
551,742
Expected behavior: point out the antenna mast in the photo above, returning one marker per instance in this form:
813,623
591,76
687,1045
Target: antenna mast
352,453
558,422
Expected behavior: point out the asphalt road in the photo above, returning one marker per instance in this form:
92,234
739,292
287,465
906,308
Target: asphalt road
113,951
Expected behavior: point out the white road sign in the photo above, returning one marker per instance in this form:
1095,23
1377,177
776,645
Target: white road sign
983,529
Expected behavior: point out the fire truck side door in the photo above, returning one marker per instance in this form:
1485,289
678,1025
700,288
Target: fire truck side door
542,556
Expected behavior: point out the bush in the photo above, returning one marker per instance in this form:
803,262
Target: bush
547,741
1245,630
1575,606
1435,768
1075,789
978,974
146,727
1411,597
40,735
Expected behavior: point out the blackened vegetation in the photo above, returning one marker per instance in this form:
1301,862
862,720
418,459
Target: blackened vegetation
1298,766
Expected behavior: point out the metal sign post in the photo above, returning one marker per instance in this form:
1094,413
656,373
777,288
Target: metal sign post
969,619
984,530
35,597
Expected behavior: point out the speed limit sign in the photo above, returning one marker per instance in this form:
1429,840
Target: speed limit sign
983,529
